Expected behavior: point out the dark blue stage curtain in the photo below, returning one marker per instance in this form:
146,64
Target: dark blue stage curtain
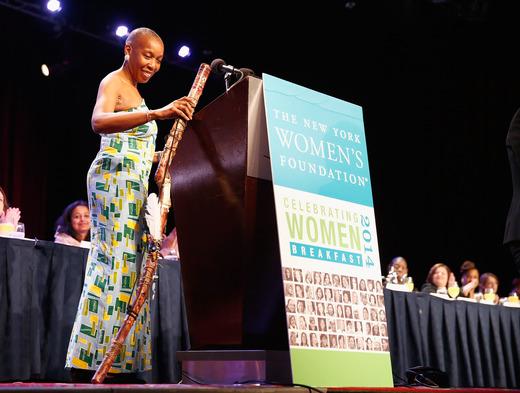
40,285
478,345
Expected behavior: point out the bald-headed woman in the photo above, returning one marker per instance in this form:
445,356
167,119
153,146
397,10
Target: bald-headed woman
117,183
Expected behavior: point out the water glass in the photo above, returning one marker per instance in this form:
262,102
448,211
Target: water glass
20,230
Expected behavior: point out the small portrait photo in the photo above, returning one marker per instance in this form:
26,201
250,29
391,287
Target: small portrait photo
360,345
354,297
370,285
293,338
379,286
337,295
328,294
314,340
287,274
346,297
345,282
302,323
322,324
317,278
310,307
300,306
348,312
324,341
289,289
298,275
291,306
354,283
330,310
319,293
309,292
312,323
384,345
362,285
320,309
308,277
298,289
382,330
341,342
333,339
291,322
304,341
351,342
335,280
326,280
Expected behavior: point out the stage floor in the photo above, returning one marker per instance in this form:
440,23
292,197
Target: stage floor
20,387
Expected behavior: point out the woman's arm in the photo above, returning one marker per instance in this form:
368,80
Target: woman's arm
106,121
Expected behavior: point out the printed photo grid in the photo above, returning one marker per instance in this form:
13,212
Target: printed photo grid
335,312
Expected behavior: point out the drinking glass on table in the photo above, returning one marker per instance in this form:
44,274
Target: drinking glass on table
20,230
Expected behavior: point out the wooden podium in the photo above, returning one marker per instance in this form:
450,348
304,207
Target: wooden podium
225,217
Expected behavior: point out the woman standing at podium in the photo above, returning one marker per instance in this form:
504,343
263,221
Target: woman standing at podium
117,183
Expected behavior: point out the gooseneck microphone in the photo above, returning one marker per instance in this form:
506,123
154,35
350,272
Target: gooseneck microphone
219,67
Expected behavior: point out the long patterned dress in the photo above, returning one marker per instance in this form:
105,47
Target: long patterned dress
117,184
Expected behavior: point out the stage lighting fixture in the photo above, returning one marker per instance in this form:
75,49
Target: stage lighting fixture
45,70
54,6
184,51
122,31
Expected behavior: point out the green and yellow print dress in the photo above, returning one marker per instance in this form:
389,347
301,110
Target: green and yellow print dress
117,184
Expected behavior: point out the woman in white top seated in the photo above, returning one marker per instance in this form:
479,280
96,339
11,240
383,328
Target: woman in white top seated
73,226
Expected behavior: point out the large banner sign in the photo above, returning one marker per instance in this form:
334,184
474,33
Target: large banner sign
328,242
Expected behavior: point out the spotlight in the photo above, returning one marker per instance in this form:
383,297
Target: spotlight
184,51
122,31
54,6
45,70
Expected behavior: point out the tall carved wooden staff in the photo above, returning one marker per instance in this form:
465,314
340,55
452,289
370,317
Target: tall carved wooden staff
156,215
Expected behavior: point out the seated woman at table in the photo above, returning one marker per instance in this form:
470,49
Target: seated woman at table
9,216
489,287
437,279
73,226
469,279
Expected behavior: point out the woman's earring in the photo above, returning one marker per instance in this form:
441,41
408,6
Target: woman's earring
127,57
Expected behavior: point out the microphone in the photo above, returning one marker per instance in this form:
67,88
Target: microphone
219,66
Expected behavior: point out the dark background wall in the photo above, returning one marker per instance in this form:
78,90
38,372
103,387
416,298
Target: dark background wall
437,80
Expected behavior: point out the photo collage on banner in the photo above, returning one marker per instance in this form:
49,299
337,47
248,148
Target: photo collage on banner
334,311
327,236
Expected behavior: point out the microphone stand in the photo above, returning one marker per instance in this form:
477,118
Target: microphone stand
227,80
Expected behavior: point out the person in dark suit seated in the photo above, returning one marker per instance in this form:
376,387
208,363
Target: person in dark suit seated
512,227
